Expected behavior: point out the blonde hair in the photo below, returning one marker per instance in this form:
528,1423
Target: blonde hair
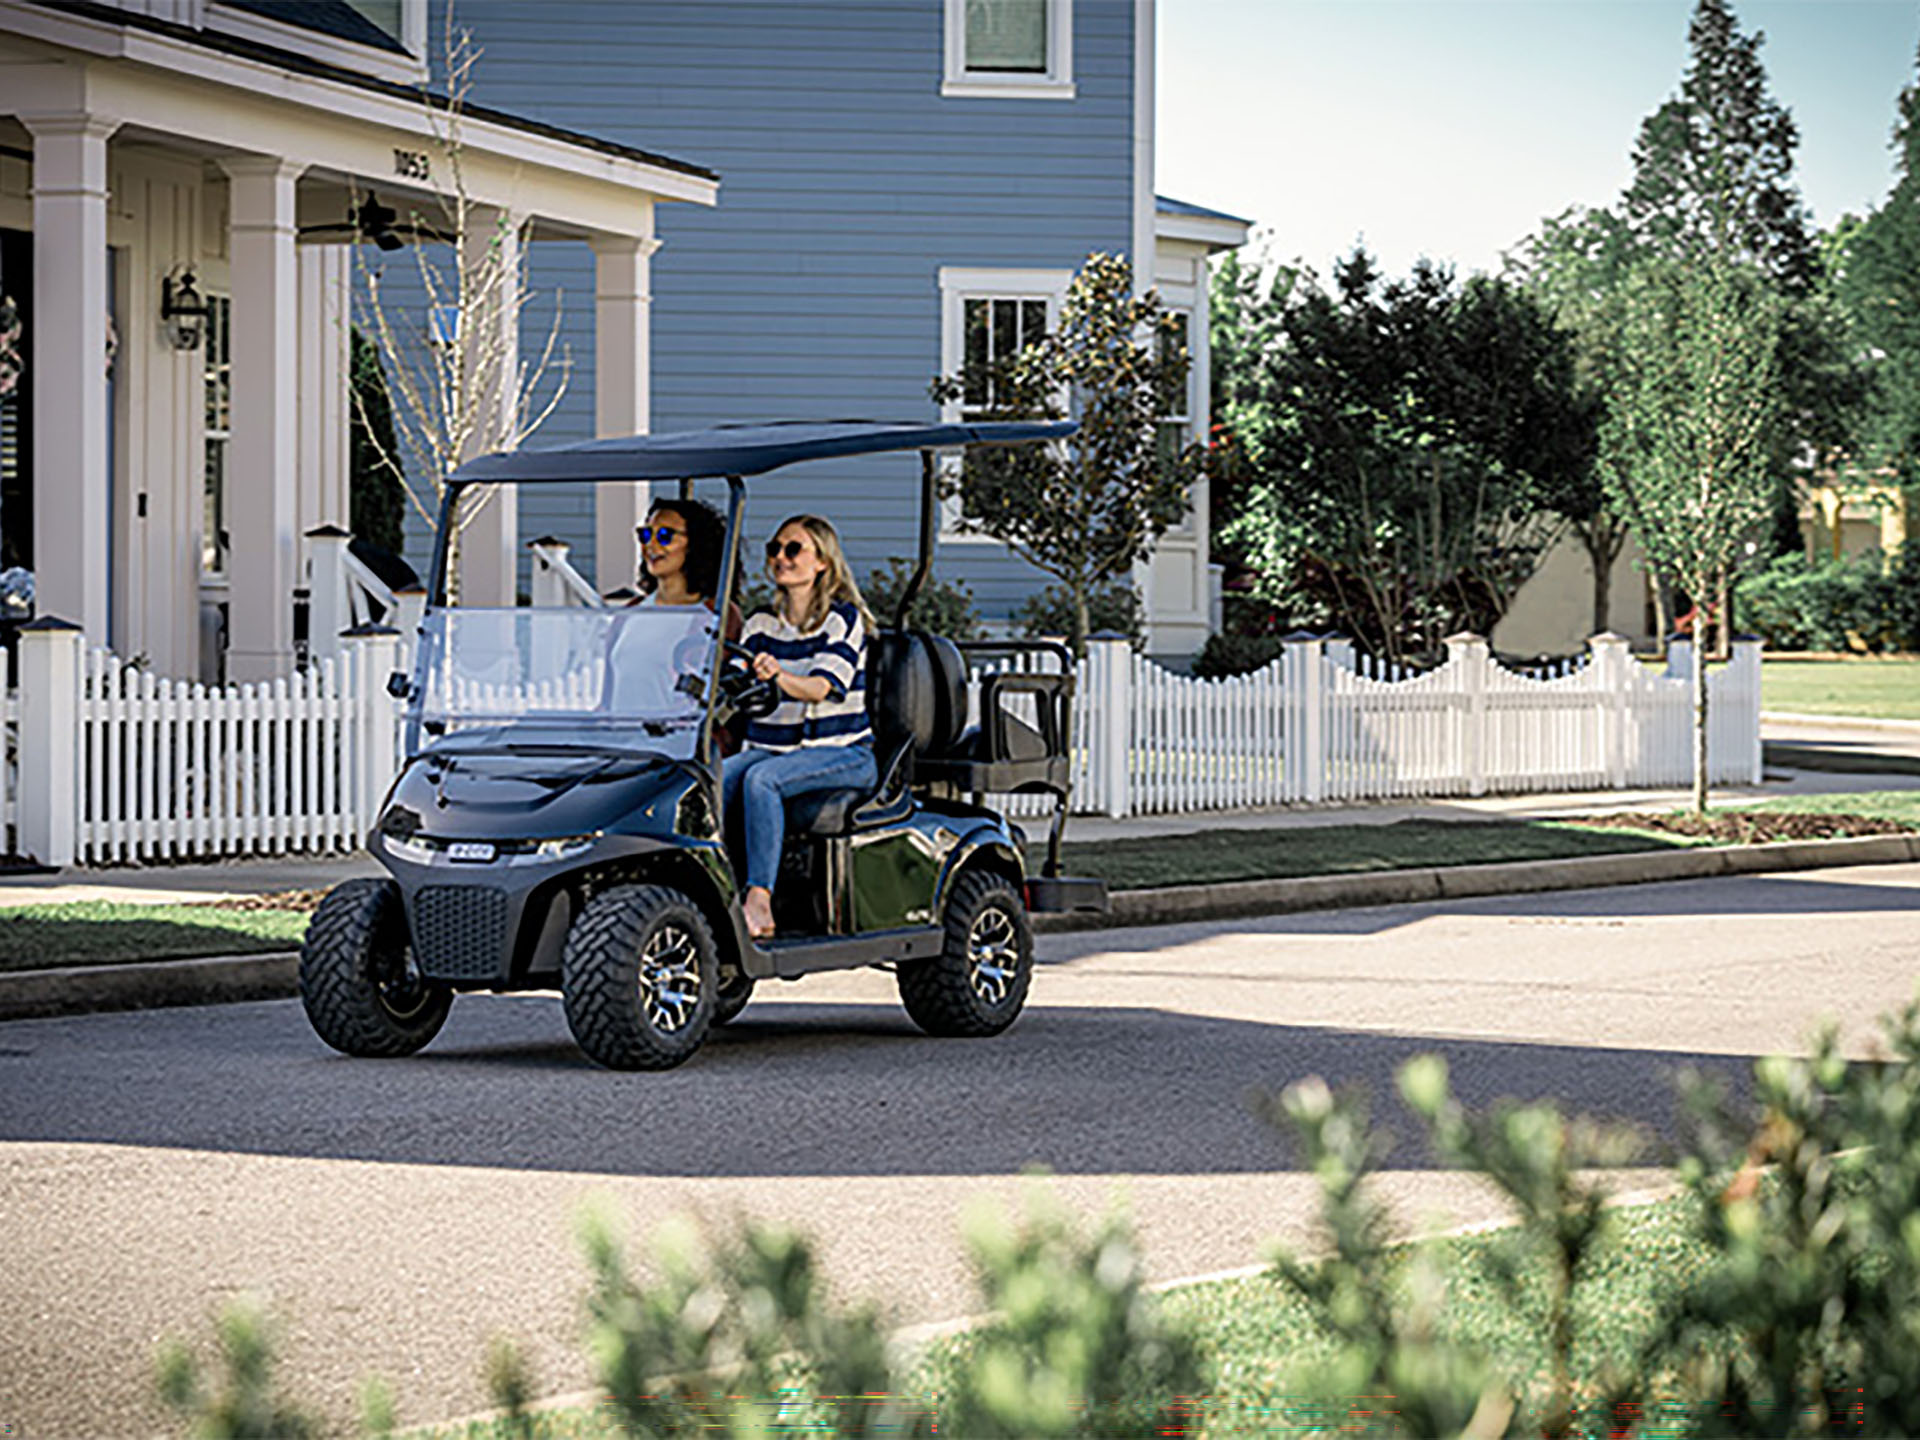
836,582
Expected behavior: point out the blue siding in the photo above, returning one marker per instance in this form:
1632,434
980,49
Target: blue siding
847,181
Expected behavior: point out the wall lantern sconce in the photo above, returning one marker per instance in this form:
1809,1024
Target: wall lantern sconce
183,311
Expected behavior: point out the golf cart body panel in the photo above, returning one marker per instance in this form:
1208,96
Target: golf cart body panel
558,819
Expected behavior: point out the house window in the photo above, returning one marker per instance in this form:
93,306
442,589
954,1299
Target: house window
986,316
219,433
1175,431
1009,49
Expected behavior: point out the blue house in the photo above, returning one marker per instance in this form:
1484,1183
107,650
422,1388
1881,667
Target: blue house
898,179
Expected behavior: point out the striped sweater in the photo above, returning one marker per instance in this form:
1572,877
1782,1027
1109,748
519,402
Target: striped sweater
836,653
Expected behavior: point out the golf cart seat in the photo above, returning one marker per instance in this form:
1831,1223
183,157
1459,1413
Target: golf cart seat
916,701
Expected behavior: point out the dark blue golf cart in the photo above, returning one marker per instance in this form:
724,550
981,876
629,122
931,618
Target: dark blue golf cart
558,821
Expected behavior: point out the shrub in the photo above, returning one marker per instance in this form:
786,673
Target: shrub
1225,654
943,607
1116,609
243,1403
1801,604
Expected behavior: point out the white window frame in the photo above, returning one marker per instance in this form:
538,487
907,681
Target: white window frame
1054,83
216,438
957,286
1184,527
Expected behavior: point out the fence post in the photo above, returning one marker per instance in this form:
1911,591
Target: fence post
1610,669
1303,672
50,652
1110,737
1746,665
1473,655
375,650
327,602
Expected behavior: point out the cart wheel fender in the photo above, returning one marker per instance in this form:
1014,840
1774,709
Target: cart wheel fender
990,854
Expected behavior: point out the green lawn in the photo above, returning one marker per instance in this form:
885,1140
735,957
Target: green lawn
1227,853
1868,687
97,933
1903,805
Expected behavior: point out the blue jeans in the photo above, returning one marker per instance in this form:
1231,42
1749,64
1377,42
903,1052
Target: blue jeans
758,784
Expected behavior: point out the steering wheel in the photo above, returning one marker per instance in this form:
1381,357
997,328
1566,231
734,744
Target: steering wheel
744,691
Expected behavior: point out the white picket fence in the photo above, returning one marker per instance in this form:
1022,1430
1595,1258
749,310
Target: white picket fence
118,765
1319,725
108,764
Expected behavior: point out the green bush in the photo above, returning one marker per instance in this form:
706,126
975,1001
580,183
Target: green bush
1852,604
1225,654
1116,609
943,607
243,1403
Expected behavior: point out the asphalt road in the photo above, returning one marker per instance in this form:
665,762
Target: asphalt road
394,1215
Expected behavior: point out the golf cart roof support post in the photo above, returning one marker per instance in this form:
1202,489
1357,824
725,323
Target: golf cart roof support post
929,527
709,747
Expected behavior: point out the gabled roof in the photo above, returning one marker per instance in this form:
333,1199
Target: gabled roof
742,449
1215,229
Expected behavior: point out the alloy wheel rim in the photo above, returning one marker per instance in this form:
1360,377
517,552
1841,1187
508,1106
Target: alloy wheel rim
993,955
670,979
403,989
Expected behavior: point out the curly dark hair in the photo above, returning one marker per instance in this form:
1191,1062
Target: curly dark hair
706,541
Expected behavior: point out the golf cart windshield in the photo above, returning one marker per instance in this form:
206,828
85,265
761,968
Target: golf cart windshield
636,674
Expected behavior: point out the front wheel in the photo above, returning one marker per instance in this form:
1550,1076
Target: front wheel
638,978
978,982
363,992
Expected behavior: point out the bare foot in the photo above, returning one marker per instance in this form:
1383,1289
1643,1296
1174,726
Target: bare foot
757,907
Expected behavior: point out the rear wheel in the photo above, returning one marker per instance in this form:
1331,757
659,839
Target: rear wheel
638,978
978,982
363,992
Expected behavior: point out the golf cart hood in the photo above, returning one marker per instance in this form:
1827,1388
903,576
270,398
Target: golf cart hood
532,793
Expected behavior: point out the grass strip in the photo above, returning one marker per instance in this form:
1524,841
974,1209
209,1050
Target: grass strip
1787,755
1225,853
1874,687
1901,805
94,932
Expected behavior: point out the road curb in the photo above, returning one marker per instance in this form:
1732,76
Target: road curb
39,994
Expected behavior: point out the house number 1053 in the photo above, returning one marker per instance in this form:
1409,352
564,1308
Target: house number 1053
411,164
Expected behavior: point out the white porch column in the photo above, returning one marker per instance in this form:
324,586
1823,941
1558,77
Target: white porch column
262,490
622,384
72,520
490,541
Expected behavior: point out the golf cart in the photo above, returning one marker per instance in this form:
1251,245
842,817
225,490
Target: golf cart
558,821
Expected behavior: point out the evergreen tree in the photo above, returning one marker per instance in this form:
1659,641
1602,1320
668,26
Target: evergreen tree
1880,288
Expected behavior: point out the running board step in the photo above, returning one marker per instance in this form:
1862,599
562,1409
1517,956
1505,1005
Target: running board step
789,959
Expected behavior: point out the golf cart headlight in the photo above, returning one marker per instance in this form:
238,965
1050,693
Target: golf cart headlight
563,848
408,848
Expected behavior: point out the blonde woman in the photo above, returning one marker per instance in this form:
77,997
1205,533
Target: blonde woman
812,645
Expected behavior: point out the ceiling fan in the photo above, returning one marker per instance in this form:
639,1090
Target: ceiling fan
370,220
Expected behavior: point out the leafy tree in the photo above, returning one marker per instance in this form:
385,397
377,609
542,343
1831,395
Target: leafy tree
943,607
1088,510
1404,438
1713,166
1879,286
1685,447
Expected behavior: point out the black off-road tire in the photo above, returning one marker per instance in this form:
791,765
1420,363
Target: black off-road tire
978,982
362,991
624,978
731,998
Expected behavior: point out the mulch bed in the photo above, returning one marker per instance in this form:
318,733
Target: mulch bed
1750,827
305,901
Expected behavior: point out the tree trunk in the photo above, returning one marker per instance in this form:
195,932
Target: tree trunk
1082,622
1699,681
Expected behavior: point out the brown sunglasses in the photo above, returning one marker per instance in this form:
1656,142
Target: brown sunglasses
793,549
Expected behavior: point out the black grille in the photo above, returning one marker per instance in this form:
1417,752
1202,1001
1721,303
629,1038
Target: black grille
459,930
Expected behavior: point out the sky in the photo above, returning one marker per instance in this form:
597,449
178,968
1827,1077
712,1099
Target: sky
1450,128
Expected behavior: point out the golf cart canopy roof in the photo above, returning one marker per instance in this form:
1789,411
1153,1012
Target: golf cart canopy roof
742,449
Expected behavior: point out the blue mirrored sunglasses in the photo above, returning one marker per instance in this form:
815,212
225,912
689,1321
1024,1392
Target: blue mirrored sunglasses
665,534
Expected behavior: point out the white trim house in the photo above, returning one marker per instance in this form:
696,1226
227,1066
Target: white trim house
150,141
